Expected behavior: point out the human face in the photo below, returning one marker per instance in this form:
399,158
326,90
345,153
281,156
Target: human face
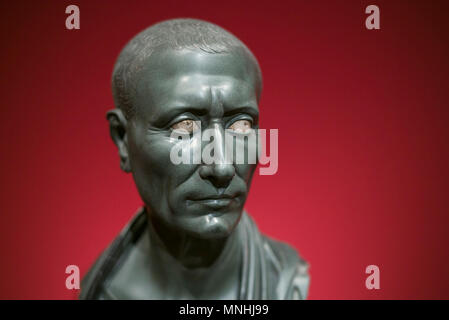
203,200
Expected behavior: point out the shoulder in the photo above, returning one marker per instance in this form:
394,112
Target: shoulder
286,270
92,285
291,268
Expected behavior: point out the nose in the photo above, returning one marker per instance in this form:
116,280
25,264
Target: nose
220,175
220,172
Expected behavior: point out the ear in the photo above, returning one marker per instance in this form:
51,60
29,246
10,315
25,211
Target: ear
117,127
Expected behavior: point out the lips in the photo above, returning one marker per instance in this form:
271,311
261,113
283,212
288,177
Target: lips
214,201
222,196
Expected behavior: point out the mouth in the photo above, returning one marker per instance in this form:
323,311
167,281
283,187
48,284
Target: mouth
213,202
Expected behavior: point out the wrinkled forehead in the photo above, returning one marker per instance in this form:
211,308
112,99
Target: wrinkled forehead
170,75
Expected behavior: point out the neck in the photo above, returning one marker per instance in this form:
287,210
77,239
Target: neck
191,252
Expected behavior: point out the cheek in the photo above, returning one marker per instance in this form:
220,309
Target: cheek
154,173
245,171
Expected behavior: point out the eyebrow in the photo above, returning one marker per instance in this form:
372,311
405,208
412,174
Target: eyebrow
163,117
251,110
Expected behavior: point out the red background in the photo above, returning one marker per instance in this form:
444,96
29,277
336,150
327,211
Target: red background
363,152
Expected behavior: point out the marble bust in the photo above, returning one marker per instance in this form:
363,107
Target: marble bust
192,238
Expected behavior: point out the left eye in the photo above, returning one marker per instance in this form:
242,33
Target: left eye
242,126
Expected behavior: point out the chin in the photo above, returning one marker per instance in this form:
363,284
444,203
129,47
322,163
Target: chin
215,226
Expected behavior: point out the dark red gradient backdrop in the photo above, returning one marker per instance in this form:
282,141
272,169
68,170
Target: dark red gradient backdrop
363,126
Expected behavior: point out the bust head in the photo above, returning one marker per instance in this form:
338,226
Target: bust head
171,76
172,81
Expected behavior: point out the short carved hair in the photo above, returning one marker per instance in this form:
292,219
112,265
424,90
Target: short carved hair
172,34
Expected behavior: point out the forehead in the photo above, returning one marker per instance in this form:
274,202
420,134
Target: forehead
182,77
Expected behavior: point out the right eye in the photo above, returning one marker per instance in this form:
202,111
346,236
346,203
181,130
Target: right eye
187,125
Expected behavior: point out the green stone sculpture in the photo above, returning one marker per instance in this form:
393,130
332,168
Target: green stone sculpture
192,238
